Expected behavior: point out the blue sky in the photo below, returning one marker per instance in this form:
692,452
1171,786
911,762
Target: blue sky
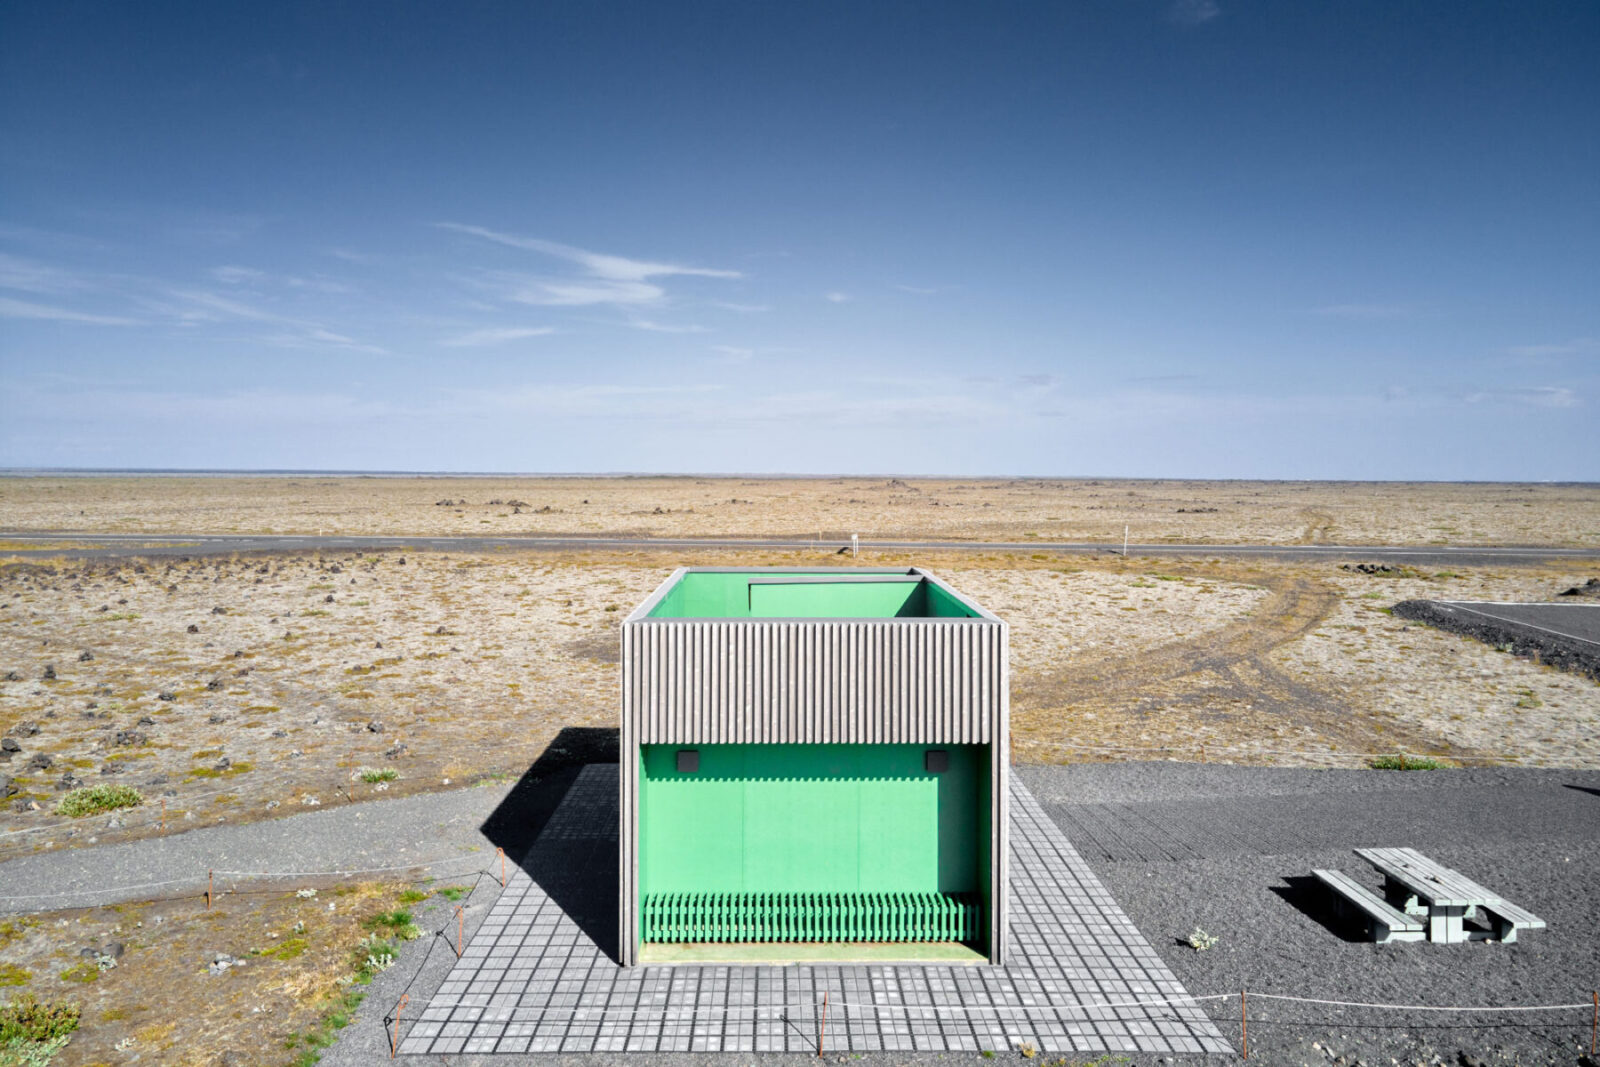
1107,237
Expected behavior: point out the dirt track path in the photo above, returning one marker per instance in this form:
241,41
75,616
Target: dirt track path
1217,689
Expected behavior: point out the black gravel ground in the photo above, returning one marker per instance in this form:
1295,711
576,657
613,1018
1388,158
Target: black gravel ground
1230,849
1562,635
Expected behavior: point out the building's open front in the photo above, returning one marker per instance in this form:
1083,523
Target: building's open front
814,768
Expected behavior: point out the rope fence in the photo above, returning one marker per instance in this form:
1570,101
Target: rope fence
1203,750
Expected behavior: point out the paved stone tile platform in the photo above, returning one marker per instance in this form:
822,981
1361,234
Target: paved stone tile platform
534,978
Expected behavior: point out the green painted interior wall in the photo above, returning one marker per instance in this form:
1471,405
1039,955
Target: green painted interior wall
813,818
780,595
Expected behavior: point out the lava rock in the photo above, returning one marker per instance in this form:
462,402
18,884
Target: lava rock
375,727
1371,568
86,656
214,685
9,744
167,696
69,781
145,720
396,751
214,719
8,788
40,762
49,672
130,737
193,628
27,728
219,611
222,764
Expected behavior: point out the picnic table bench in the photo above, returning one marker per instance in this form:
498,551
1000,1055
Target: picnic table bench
1384,922
1418,886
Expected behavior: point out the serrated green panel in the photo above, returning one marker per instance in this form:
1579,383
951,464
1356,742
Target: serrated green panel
724,917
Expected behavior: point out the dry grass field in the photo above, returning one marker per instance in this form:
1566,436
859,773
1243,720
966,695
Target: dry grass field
891,509
142,977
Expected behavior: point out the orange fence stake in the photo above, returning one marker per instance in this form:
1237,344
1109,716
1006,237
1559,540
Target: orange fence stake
822,1031
461,927
394,1046
209,875
1244,1027
502,853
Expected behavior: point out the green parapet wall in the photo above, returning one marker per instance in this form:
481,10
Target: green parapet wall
813,842
803,595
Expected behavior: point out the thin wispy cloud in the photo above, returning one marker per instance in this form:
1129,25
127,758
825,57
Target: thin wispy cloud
1364,311
836,297
597,264
29,276
1581,346
666,327
215,307
1535,396
317,337
1192,12
918,290
236,275
497,336
743,309
734,353
541,292
200,305
23,309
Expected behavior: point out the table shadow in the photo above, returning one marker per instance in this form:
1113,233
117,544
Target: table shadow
1315,900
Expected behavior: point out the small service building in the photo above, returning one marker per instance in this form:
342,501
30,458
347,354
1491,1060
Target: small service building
814,767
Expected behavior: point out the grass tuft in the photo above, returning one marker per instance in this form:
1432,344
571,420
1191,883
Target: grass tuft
95,799
27,1021
1402,762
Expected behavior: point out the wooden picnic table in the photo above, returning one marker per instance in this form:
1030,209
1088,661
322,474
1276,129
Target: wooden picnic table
1420,886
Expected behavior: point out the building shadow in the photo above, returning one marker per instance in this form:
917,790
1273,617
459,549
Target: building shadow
559,825
1311,898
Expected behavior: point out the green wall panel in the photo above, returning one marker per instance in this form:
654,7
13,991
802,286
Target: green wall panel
771,599
812,818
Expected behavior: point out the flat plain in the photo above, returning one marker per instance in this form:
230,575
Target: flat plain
239,688
1200,512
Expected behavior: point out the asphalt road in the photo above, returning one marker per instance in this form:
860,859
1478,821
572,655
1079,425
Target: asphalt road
1580,622
129,545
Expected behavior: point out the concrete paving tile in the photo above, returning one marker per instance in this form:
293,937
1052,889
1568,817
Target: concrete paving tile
532,979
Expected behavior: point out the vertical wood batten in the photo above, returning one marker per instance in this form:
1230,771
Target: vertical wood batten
802,682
